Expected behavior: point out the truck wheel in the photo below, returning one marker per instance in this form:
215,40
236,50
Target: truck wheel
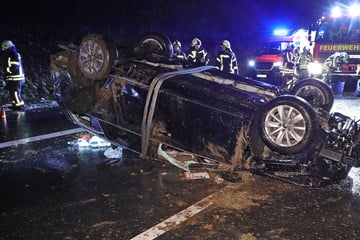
288,124
315,91
155,46
96,57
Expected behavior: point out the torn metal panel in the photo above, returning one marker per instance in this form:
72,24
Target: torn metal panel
171,157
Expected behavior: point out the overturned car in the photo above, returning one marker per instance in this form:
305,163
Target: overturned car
137,97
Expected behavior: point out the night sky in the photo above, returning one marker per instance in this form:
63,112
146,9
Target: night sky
228,14
241,21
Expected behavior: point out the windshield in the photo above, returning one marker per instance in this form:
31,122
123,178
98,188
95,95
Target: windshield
344,29
276,47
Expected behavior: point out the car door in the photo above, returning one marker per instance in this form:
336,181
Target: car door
201,116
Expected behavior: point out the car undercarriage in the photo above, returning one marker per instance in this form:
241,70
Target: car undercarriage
136,98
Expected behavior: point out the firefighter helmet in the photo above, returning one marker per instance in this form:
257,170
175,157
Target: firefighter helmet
177,43
195,42
306,49
7,44
226,44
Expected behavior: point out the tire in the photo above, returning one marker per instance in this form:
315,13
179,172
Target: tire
77,77
155,46
288,124
315,91
96,57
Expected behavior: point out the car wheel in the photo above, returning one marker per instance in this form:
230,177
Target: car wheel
96,57
315,91
288,124
156,45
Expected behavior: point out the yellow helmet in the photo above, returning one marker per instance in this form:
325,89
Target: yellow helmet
195,42
226,44
7,44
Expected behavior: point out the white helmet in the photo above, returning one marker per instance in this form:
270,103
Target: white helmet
306,48
7,44
226,44
177,43
195,42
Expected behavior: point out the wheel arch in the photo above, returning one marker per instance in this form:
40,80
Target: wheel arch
325,92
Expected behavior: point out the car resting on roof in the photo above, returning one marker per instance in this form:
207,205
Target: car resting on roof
137,98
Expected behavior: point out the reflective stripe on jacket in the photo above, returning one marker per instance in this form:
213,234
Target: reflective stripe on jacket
14,69
305,59
226,61
198,57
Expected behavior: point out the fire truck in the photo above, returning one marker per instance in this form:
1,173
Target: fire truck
268,63
335,43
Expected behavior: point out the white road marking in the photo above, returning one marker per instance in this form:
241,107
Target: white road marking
174,220
40,137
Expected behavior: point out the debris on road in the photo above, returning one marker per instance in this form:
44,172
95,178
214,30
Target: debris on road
93,142
231,177
113,152
114,155
196,175
179,159
219,180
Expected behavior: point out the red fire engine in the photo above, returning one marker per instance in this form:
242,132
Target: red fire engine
269,66
335,42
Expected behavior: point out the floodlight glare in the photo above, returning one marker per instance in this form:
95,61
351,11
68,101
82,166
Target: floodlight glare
336,12
354,10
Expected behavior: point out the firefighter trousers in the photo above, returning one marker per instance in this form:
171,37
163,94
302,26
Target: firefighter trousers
14,88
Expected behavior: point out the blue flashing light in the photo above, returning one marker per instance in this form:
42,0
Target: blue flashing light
281,32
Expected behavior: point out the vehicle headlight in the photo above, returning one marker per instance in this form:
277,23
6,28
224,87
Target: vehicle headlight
251,63
277,64
315,68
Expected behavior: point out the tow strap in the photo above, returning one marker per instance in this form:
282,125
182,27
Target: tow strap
151,102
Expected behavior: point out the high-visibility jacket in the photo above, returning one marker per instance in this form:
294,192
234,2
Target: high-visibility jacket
226,61
14,70
198,57
304,60
288,58
179,57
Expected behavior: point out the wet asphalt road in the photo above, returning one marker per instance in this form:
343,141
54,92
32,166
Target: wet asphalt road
50,190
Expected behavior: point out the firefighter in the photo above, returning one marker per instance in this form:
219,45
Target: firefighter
179,56
13,73
288,57
296,54
304,60
226,59
197,55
